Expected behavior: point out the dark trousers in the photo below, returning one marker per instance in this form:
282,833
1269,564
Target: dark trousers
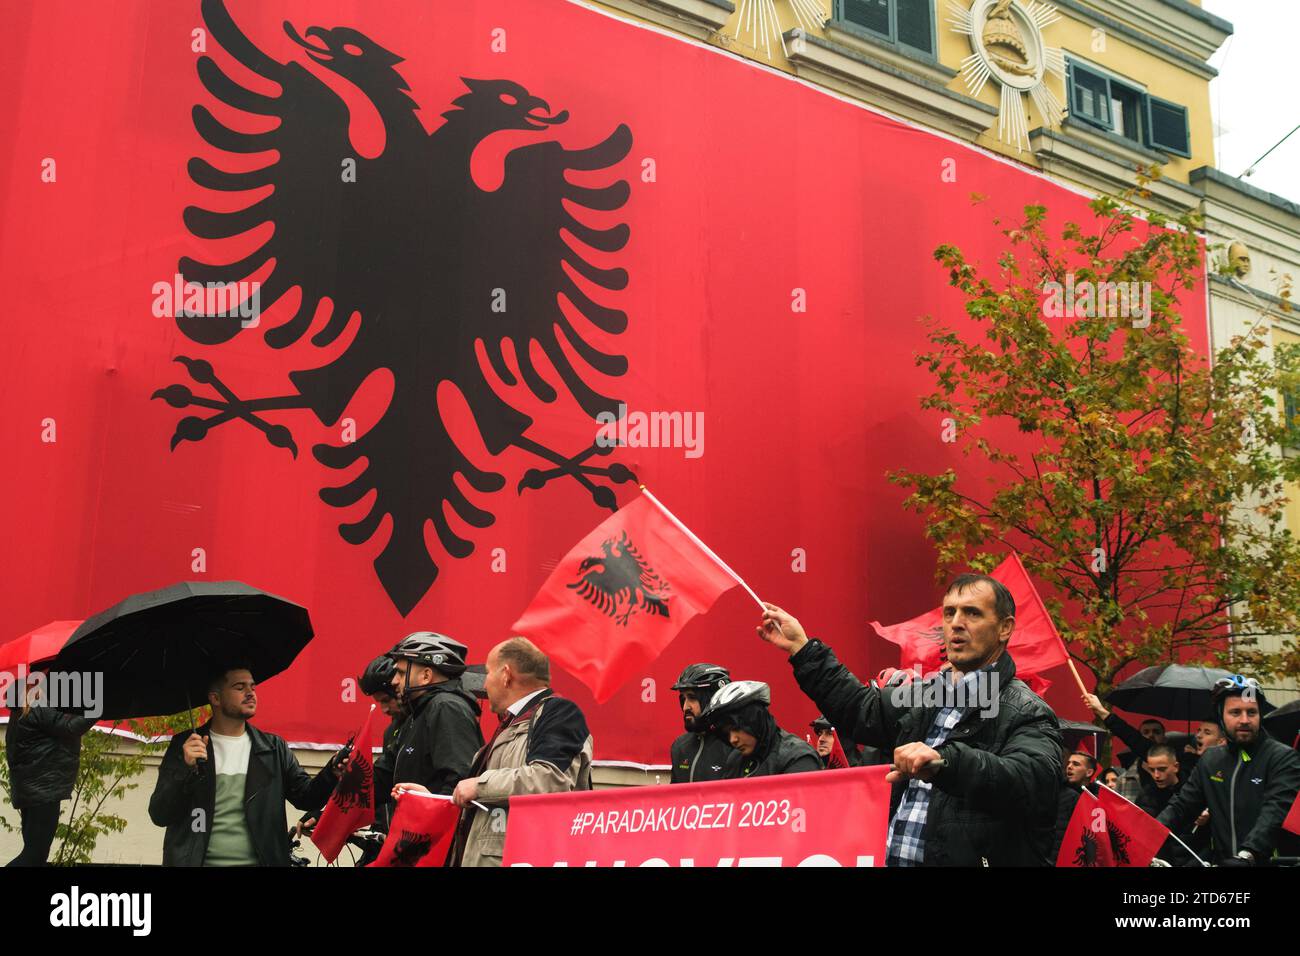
39,825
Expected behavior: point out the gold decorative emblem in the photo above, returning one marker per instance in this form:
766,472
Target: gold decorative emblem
1006,38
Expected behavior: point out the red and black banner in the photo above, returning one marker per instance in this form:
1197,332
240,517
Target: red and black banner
380,306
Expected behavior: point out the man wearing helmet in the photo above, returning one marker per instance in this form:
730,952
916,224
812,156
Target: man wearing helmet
377,684
698,755
739,711
1248,784
440,735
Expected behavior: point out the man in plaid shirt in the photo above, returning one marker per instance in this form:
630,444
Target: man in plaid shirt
976,754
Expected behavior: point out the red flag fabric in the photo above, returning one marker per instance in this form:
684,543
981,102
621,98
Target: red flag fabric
1086,842
1135,836
1035,644
352,804
621,595
839,760
421,832
1292,821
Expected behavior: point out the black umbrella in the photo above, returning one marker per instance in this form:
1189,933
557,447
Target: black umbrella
158,650
1073,732
1284,723
1170,690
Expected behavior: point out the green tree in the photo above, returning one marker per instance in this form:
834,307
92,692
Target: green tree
1152,501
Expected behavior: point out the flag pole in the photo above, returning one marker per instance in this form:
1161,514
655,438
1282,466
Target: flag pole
701,545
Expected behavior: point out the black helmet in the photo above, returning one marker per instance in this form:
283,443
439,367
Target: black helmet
821,723
733,697
442,653
703,677
378,677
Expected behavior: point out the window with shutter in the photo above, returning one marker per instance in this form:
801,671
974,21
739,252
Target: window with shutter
872,15
1090,96
1167,127
914,26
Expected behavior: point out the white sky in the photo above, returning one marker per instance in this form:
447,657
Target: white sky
1254,98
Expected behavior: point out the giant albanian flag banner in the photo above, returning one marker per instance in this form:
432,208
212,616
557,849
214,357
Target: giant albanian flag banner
382,305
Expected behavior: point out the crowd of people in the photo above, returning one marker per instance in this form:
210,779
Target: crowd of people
979,771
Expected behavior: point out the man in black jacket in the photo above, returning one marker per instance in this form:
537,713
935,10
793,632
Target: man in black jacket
974,784
1248,784
760,748
43,747
440,735
221,789
698,755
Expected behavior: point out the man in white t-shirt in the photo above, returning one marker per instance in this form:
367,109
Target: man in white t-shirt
221,789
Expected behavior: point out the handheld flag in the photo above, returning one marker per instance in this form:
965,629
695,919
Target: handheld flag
1086,842
421,832
352,804
621,595
1135,835
1035,644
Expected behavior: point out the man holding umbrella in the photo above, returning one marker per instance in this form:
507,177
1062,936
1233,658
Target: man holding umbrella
221,789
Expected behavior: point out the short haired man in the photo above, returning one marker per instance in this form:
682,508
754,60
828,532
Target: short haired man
697,755
1148,734
222,788
1248,784
1079,769
973,785
541,746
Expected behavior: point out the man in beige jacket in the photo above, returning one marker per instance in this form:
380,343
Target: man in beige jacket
541,746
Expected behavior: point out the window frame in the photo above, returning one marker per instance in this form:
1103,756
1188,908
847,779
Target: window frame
931,55
1127,88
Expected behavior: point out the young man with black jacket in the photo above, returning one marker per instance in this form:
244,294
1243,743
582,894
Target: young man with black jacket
221,789
974,784
1248,784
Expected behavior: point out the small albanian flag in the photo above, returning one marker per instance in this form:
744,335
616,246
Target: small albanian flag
352,804
1292,822
1035,644
616,600
421,832
1086,842
1135,836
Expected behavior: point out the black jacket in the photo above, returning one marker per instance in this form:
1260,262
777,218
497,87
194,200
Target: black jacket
698,757
384,775
439,738
1248,792
43,747
274,776
995,800
776,752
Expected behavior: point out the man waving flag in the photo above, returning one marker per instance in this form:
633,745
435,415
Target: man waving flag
1035,643
623,593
